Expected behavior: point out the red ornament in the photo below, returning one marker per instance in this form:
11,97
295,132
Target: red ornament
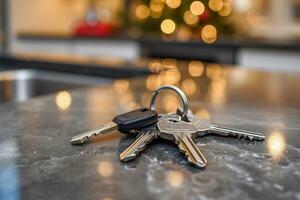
98,29
205,16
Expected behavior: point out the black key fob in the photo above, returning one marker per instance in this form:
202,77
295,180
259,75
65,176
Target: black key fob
135,119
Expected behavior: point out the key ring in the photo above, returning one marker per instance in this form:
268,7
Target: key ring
175,89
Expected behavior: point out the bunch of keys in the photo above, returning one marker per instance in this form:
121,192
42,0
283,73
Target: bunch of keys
180,127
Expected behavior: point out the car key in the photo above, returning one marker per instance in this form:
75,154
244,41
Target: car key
145,136
125,122
204,127
181,133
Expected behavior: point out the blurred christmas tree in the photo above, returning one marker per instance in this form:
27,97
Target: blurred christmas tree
182,19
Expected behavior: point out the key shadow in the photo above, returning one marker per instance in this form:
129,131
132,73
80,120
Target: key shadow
162,152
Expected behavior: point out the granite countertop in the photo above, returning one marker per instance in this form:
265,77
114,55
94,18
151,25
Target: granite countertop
37,160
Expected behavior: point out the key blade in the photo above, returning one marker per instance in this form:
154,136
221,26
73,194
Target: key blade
224,131
144,138
193,154
84,137
181,132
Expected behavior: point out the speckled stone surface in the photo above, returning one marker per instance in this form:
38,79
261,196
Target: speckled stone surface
37,160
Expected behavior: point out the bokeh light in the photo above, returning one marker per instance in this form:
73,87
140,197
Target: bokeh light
63,100
242,5
105,168
156,15
156,5
169,63
168,26
197,8
155,66
209,34
173,3
276,145
142,11
226,9
215,5
195,68
190,18
171,76
175,178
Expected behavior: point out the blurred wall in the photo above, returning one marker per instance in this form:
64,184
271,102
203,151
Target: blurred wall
53,16
46,16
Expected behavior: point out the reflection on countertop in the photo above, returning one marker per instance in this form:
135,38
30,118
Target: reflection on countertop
37,156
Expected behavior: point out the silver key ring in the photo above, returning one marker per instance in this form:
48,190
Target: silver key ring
175,89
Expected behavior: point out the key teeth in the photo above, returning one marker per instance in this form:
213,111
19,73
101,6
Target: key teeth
194,162
147,137
252,138
133,154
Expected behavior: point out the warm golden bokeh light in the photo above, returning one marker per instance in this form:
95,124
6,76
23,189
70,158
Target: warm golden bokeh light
190,18
142,11
189,87
209,34
156,5
170,103
195,68
63,100
168,26
156,15
276,145
105,168
197,8
121,86
171,76
155,66
175,178
215,5
202,113
226,9
242,5
169,63
173,3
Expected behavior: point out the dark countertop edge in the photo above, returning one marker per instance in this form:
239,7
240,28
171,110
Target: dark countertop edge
289,45
126,71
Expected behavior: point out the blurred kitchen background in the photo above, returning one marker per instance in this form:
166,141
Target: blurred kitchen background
261,34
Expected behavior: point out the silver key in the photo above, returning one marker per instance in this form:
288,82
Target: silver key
145,136
125,122
204,127
181,133
82,138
